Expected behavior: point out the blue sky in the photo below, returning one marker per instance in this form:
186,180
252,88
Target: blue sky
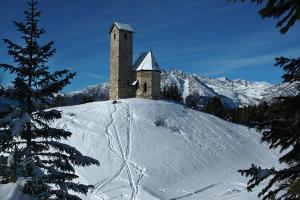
208,37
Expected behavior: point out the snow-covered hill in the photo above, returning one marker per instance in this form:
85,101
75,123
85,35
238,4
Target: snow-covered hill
162,150
234,93
152,150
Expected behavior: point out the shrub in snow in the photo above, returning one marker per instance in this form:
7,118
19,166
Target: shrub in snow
160,121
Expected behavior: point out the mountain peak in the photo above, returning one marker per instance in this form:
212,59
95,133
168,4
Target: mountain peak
223,78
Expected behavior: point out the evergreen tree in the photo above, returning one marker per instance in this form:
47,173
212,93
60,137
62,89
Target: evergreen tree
280,124
193,100
291,67
32,153
59,100
215,107
280,128
171,92
87,98
1,80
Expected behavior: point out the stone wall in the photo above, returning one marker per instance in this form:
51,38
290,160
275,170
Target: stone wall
156,85
148,84
120,64
114,63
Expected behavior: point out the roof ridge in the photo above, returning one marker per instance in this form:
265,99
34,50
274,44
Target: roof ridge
146,61
122,26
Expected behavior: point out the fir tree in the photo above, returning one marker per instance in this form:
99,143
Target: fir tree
1,80
280,124
171,92
280,128
215,107
193,100
59,100
87,98
32,152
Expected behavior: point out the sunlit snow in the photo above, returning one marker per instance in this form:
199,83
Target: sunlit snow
162,150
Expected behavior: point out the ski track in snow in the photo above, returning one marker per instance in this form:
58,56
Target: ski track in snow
124,154
102,184
195,192
215,141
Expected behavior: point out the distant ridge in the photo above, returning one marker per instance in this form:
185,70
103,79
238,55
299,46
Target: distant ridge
233,93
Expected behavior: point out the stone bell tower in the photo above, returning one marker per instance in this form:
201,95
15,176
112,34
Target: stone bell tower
120,61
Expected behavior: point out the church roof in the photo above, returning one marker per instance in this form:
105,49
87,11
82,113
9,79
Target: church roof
121,26
146,61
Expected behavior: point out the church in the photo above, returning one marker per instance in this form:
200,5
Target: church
128,80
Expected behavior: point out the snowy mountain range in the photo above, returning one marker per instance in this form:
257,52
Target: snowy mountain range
159,150
233,93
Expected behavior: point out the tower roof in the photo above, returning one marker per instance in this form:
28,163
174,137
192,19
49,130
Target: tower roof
121,26
146,61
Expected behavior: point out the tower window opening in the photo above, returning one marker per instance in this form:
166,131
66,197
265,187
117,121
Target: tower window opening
125,36
114,36
145,87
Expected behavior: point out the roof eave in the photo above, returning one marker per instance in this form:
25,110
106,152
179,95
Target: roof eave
152,70
114,24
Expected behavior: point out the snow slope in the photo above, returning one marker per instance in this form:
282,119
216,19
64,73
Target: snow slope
12,191
162,150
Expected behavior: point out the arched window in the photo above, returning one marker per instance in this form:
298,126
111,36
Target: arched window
145,87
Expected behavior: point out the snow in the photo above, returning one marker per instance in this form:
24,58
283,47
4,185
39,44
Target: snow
146,61
190,154
122,26
134,83
186,89
160,150
17,125
22,181
10,160
17,121
233,93
12,191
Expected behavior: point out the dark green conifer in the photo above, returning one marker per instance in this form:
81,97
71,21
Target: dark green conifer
32,152
280,124
215,107
171,92
193,100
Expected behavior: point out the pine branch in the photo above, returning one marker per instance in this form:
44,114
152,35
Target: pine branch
40,159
